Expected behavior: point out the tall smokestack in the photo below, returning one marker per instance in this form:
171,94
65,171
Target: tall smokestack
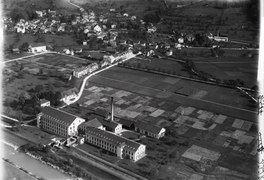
112,109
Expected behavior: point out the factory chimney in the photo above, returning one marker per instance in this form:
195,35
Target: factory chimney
112,109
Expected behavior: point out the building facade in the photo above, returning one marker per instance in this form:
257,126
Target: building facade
37,48
122,147
149,130
111,126
79,72
58,122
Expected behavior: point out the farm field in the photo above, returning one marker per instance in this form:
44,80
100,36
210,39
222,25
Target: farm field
243,70
199,140
178,90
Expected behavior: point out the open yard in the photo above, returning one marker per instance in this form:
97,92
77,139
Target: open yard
35,75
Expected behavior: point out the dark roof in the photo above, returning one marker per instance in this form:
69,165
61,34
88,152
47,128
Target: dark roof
125,122
93,123
109,123
113,139
101,112
58,114
148,127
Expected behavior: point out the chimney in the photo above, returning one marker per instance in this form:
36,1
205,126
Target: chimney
112,109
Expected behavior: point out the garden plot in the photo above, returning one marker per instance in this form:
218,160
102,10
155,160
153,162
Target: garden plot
163,94
219,119
94,96
157,113
121,93
150,109
185,110
88,103
241,124
199,95
198,153
205,115
170,80
238,123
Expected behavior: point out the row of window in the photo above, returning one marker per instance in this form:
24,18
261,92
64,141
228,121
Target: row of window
55,131
108,146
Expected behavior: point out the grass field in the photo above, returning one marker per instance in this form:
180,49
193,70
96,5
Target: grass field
153,84
49,71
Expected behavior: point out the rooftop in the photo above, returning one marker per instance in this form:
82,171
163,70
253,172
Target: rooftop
58,115
148,127
110,124
93,123
113,139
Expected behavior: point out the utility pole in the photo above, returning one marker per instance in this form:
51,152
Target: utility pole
260,145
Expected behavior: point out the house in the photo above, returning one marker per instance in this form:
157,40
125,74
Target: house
125,15
209,36
78,50
66,51
97,29
69,94
221,39
181,40
149,130
190,37
39,13
79,72
110,58
113,26
20,29
151,29
169,52
44,103
16,51
37,48
122,147
178,45
58,122
111,126
133,18
112,10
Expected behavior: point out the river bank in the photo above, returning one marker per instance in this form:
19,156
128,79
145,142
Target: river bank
34,167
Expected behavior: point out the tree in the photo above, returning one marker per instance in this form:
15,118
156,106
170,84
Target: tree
24,46
39,88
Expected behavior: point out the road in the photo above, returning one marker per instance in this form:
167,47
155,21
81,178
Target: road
71,101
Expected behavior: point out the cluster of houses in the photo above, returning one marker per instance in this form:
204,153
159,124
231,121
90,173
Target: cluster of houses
101,132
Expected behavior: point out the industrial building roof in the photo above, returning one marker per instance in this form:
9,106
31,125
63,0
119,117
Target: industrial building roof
148,127
58,115
93,123
108,123
113,139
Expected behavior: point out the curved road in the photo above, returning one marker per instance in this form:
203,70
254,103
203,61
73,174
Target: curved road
96,72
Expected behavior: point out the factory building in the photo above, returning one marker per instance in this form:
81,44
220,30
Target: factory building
122,147
58,122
